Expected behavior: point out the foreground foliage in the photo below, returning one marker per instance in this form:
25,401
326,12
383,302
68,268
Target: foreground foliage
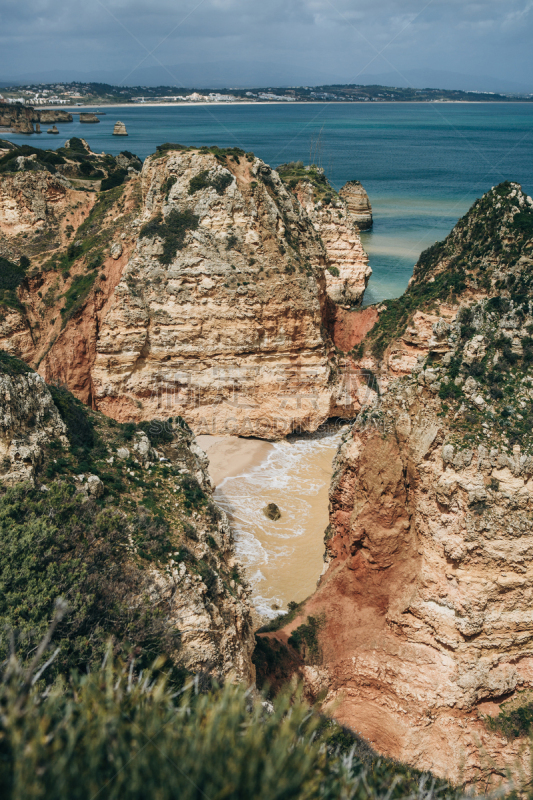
115,734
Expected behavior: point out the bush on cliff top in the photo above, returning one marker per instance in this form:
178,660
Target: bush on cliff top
119,735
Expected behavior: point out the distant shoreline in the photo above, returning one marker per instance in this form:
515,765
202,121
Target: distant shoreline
75,109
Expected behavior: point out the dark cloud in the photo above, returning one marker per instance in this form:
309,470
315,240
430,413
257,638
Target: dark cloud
306,41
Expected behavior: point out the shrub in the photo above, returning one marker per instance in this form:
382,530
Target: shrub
80,428
158,431
334,271
219,182
9,365
12,275
116,178
172,231
53,545
76,294
305,639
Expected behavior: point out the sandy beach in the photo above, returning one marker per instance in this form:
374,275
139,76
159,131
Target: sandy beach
231,455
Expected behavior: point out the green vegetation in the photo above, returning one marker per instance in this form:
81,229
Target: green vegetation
168,184
11,276
220,153
495,231
46,159
172,231
9,365
513,722
305,639
219,182
76,295
56,545
113,180
295,173
122,735
75,414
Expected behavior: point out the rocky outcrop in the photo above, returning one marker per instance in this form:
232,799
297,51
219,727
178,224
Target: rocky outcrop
30,200
424,625
29,421
89,117
214,308
53,129
212,302
358,204
196,577
21,118
53,115
348,270
120,129
226,328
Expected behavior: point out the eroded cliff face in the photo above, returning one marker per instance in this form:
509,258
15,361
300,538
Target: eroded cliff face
183,563
338,224
21,118
358,204
29,421
226,324
423,612
198,289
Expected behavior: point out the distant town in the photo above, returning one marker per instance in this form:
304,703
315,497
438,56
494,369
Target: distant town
83,94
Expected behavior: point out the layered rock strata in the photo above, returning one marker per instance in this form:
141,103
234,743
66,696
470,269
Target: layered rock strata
358,204
423,611
228,328
21,118
347,267
210,302
120,129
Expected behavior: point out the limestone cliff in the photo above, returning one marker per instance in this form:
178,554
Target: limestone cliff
172,556
423,612
358,204
202,291
20,118
336,218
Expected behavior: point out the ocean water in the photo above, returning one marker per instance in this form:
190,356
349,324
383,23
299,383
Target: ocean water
283,558
422,164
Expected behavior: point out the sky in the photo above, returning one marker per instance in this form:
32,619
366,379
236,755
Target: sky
286,42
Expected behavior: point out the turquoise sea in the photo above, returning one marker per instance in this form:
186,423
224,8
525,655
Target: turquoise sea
422,164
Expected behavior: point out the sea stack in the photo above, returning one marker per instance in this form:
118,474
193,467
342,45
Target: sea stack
37,128
358,204
120,129
89,118
53,129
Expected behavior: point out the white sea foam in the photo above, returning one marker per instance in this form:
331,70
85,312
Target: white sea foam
295,475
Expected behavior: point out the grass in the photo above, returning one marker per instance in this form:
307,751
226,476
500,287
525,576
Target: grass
125,735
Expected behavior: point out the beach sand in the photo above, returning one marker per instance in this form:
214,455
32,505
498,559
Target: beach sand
232,455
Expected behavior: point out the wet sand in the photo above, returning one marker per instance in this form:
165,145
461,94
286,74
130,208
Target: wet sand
283,558
230,456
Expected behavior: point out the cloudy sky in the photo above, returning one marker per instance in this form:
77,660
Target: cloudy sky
251,42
